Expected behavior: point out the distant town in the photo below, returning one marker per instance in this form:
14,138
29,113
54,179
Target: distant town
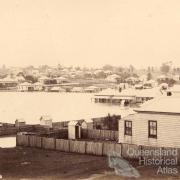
82,79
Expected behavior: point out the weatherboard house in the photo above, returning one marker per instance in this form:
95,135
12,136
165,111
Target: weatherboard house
156,123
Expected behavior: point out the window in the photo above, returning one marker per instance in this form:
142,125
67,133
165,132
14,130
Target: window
152,128
128,128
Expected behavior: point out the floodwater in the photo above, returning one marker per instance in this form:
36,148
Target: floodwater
30,106
7,142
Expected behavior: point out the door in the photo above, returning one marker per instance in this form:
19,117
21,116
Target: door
77,132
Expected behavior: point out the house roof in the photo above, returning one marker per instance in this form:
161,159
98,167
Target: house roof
91,88
37,84
55,88
60,78
79,89
88,120
44,78
164,104
8,79
25,84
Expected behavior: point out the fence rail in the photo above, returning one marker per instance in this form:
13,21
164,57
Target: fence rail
89,147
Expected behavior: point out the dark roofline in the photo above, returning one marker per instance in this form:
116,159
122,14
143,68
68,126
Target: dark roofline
157,112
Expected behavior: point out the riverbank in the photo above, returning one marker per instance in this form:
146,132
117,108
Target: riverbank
30,163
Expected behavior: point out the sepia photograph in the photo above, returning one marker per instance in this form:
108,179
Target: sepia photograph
89,89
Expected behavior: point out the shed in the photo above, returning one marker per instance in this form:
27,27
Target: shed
19,122
46,121
87,124
74,130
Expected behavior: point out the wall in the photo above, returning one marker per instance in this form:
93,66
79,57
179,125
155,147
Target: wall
168,130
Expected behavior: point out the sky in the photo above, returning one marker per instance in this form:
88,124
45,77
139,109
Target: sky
89,32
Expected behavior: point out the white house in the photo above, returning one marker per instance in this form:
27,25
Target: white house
60,80
38,86
156,123
25,87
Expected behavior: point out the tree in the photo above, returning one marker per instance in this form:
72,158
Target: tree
165,68
31,78
108,67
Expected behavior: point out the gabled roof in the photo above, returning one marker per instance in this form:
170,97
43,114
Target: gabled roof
60,78
164,104
25,84
73,123
37,84
8,79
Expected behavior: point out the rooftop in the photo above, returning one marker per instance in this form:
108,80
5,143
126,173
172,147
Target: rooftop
165,104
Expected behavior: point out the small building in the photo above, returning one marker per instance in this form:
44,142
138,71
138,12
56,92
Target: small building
163,86
74,130
132,80
20,123
138,86
156,123
149,84
46,121
122,86
87,124
44,80
114,78
25,87
38,86
176,77
8,83
60,80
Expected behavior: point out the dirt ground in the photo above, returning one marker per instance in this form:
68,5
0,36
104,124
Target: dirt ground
29,163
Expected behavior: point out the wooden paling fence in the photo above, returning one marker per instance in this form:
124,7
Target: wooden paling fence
100,134
89,147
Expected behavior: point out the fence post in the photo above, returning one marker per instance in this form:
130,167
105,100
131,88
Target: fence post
16,140
41,142
121,150
102,148
54,143
85,147
28,140
141,148
69,145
